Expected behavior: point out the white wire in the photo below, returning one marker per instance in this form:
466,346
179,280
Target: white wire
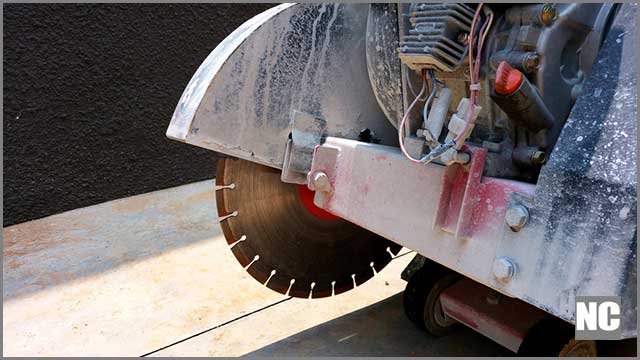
404,119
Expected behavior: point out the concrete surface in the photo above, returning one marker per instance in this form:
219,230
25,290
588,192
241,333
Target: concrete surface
152,274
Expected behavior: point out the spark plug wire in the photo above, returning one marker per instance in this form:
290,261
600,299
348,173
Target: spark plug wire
474,69
425,111
474,74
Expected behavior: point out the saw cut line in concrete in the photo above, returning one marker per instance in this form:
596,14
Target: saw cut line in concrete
217,326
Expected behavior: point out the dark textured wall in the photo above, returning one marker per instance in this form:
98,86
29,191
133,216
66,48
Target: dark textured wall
89,91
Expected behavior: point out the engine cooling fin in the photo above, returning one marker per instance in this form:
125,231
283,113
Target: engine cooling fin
286,247
433,37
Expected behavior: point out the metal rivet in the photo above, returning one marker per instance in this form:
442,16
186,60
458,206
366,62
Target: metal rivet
503,268
516,217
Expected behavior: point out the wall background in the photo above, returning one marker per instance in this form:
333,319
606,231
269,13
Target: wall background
89,91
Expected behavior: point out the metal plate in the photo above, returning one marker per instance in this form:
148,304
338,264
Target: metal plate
274,231
306,58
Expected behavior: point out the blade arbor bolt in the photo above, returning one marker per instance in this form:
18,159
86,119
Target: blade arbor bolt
320,182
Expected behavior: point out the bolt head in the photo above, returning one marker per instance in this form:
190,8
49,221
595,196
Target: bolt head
320,182
538,157
516,217
503,268
463,38
548,15
531,62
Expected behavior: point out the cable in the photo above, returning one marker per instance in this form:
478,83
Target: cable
410,86
406,78
425,111
474,69
474,74
404,119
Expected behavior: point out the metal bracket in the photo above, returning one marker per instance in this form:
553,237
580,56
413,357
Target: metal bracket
376,187
503,319
459,195
307,131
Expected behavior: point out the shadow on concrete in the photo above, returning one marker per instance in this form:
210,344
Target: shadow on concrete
381,329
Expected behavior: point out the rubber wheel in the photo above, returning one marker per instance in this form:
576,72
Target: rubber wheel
579,348
421,299
626,347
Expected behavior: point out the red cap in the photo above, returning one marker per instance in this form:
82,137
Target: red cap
508,79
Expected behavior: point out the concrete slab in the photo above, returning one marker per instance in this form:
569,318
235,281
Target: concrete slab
368,321
122,278
132,276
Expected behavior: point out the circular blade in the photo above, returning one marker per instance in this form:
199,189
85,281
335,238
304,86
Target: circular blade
284,245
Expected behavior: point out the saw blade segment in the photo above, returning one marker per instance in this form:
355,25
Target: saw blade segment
283,245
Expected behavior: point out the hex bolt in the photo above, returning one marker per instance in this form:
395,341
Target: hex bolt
531,61
548,14
503,268
321,182
538,157
516,217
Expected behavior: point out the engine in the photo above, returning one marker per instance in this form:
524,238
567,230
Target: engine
521,67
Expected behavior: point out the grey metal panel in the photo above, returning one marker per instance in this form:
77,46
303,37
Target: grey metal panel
582,235
197,87
307,58
383,62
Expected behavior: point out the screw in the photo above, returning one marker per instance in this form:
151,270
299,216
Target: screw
531,62
320,182
516,217
538,157
463,38
548,14
503,268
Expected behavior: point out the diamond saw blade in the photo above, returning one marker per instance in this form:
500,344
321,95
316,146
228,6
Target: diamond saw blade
286,246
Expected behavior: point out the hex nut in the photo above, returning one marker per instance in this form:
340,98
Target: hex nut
321,182
503,268
516,217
